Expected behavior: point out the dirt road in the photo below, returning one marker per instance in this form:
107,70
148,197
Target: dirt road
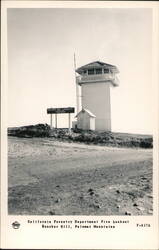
48,177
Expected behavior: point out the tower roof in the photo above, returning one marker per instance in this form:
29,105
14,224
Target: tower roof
98,64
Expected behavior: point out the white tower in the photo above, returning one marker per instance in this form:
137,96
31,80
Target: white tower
95,80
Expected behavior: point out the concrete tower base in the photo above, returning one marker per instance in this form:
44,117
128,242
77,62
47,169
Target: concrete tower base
96,97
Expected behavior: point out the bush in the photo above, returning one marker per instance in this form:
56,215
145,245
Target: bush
76,135
39,130
146,143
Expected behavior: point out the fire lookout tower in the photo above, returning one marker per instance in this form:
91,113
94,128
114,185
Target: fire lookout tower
95,80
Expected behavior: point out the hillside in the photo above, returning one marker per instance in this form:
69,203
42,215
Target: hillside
88,137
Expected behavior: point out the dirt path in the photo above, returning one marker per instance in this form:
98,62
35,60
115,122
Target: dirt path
51,177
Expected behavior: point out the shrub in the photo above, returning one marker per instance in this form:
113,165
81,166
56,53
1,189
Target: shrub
39,130
146,143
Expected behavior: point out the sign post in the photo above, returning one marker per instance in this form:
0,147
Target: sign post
51,120
56,111
69,122
55,120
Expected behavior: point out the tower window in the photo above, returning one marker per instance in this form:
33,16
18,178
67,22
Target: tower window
106,70
98,71
91,72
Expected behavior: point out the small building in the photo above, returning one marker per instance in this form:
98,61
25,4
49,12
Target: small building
74,124
85,120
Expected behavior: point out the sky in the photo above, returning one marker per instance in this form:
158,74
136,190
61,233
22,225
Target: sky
41,46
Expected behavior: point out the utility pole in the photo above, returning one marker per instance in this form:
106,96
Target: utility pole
69,122
77,87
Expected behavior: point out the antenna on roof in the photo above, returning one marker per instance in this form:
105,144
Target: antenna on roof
75,62
77,87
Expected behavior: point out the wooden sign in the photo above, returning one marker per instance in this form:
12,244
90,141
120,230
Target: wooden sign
60,110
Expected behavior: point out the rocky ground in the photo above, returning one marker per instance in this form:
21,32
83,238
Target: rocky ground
51,177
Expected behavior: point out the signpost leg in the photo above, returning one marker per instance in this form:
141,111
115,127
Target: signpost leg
51,120
69,122
55,120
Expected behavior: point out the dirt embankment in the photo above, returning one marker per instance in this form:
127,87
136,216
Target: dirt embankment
49,177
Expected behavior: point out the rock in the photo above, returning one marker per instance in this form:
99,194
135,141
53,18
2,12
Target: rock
141,208
90,190
135,205
81,197
118,192
52,212
143,178
97,206
127,213
91,193
58,200
150,196
58,186
118,206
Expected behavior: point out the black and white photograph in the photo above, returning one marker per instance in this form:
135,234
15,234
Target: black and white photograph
80,113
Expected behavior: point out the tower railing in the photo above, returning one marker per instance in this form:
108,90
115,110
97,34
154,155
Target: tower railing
97,78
